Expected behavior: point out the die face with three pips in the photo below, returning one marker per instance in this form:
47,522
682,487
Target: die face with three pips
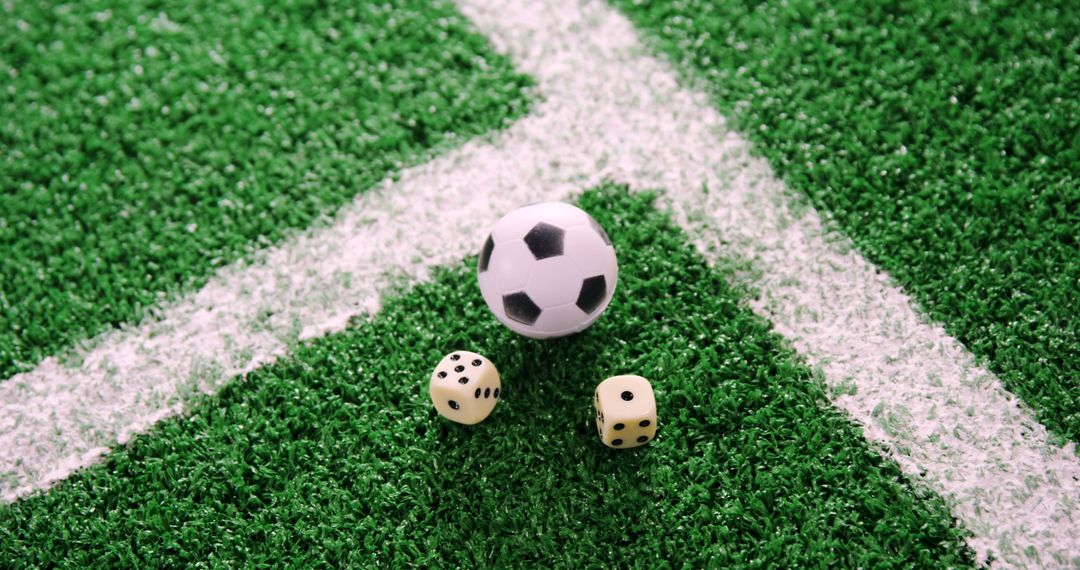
465,387
625,411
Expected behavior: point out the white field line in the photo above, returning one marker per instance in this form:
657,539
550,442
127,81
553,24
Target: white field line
610,111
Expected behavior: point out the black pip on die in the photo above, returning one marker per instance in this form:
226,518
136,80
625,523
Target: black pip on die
465,387
625,411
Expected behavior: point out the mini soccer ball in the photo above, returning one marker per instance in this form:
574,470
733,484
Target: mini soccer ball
547,270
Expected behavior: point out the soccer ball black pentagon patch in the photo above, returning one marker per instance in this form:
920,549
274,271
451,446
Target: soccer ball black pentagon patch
545,240
593,292
521,308
485,254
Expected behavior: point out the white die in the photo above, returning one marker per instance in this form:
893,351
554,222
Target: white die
465,387
625,411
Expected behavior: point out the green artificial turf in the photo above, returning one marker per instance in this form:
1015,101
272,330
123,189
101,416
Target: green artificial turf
943,137
144,144
334,456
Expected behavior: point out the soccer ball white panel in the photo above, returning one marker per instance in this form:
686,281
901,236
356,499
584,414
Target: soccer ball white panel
552,282
599,267
562,320
547,270
590,253
510,266
561,214
515,224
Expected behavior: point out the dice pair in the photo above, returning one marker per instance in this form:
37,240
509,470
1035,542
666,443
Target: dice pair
465,387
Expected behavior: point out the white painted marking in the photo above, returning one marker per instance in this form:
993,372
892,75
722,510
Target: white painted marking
610,111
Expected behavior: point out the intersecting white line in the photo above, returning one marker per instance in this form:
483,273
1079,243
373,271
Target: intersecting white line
608,111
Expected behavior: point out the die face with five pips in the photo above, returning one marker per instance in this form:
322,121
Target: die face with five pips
465,387
625,411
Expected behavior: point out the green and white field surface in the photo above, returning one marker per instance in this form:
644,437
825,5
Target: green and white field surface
238,235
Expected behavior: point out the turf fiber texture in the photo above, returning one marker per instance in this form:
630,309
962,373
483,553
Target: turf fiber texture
335,455
140,151
942,137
